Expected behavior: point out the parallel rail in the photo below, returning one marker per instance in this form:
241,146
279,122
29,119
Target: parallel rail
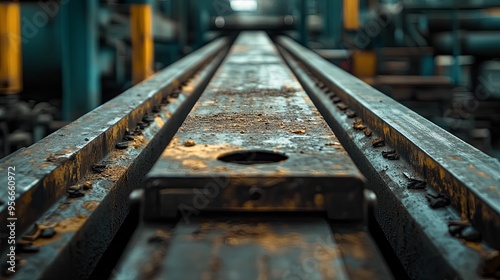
449,166
91,158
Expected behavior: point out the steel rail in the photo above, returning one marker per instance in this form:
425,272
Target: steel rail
253,174
415,230
77,180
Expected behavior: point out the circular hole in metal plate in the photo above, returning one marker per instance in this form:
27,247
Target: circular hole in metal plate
249,157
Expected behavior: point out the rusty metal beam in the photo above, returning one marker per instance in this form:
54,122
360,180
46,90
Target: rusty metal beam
260,184
252,111
417,232
77,180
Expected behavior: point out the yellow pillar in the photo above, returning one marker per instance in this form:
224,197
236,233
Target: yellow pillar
141,19
351,14
364,64
10,47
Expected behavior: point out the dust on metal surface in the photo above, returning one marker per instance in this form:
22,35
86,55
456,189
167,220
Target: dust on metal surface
256,110
414,228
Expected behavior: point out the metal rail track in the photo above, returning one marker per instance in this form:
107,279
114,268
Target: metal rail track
429,169
255,150
72,196
76,182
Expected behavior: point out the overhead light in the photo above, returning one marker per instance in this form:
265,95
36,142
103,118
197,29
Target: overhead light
244,5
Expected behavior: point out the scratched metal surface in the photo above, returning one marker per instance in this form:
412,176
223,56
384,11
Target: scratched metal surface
85,225
254,103
418,233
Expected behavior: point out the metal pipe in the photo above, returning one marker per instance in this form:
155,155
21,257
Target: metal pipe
81,85
471,20
482,43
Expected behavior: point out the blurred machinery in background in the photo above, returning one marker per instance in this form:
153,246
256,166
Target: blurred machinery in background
437,57
61,59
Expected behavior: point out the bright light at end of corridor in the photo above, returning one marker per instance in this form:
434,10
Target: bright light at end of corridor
244,5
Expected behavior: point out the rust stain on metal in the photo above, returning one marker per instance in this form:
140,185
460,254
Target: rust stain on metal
159,122
196,164
189,143
239,234
112,172
455,157
242,121
284,91
138,142
90,205
239,48
71,224
299,131
176,150
478,172
358,124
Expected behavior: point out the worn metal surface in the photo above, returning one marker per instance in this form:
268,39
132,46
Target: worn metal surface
251,247
265,248
361,256
88,150
418,233
470,177
254,104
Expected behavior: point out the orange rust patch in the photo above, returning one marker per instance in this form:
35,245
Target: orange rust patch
63,206
44,241
177,150
221,168
196,164
299,131
71,224
239,48
138,142
90,205
235,234
356,249
112,172
159,121
455,157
